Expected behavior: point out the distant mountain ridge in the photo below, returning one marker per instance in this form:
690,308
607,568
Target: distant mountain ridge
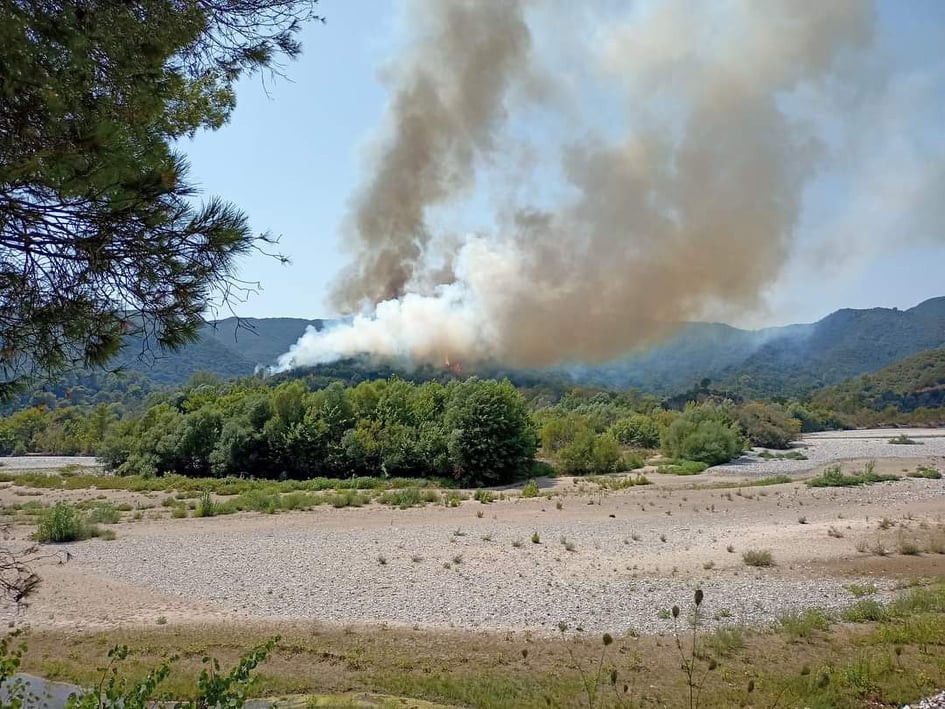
233,347
785,361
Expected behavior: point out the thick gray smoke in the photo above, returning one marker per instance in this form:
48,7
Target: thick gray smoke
446,105
689,212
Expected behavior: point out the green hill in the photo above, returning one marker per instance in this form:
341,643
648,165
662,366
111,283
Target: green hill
789,361
917,382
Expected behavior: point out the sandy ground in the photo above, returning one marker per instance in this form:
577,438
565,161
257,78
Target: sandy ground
635,553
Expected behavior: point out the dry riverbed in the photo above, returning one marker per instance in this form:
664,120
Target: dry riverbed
602,560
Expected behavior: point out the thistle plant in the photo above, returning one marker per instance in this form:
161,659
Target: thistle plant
695,674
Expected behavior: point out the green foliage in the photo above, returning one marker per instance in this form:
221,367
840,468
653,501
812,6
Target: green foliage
483,496
638,430
758,557
925,472
703,433
100,237
491,439
903,440
591,454
804,624
116,691
531,489
683,467
64,523
790,455
104,513
767,425
865,611
911,391
834,477
475,432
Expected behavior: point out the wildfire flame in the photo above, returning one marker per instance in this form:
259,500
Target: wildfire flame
457,368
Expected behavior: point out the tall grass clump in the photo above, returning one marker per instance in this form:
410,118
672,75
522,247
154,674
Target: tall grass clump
64,523
408,497
531,489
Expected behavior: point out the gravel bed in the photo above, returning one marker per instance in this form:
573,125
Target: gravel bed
934,702
51,463
822,448
354,576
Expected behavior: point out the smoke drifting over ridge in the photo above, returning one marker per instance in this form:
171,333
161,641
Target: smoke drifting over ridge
691,211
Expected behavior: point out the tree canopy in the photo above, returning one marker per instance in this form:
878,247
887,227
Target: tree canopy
101,236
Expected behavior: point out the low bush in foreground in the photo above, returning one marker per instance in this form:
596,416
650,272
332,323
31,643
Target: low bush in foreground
834,477
116,690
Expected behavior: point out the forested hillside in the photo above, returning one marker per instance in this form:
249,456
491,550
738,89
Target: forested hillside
910,386
785,362
845,344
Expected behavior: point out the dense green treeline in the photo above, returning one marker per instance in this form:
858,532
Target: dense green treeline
473,431
477,432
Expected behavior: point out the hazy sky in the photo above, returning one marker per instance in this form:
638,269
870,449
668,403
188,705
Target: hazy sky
295,152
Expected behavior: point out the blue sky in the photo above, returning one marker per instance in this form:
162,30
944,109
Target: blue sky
293,155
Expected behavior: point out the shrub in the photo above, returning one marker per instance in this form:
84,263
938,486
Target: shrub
767,425
531,489
206,507
403,498
834,477
758,557
483,496
104,513
704,434
64,523
591,454
348,498
903,440
639,431
865,611
685,467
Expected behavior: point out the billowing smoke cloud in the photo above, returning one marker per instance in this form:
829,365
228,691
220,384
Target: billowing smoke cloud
447,103
690,212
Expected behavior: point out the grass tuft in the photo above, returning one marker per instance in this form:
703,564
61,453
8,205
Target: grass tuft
758,557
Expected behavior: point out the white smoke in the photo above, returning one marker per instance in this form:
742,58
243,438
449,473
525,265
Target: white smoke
690,209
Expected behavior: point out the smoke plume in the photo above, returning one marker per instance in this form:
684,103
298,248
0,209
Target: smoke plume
685,210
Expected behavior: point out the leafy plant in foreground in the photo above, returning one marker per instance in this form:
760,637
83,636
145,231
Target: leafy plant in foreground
228,690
